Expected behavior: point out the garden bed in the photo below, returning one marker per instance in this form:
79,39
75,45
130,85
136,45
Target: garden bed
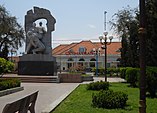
70,78
74,78
10,91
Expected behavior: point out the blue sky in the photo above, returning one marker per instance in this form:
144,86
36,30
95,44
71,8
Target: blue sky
76,19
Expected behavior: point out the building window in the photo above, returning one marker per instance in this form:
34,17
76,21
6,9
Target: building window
92,63
70,59
93,59
82,49
81,59
70,63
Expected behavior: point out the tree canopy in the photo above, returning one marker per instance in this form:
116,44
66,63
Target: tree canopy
151,12
126,23
11,33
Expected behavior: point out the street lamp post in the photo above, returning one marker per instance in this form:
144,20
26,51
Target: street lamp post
142,40
96,53
103,41
60,69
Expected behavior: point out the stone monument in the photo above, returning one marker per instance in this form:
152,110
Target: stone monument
38,59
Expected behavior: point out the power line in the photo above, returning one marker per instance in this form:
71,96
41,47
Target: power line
79,39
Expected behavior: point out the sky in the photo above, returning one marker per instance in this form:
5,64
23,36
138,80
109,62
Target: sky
76,20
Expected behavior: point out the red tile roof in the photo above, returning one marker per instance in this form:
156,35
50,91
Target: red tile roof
64,48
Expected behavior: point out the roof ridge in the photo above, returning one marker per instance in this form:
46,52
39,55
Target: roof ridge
56,48
76,44
66,48
89,44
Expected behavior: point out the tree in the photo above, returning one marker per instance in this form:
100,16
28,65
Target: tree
133,44
151,12
125,23
11,33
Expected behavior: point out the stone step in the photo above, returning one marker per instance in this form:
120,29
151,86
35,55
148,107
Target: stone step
35,79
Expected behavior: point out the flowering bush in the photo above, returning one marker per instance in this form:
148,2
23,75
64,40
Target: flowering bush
77,68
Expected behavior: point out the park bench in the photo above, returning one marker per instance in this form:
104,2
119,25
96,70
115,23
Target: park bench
22,105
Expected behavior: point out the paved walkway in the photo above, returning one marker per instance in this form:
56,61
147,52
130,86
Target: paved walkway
50,94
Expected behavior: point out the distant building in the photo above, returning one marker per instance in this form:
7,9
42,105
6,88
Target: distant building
83,54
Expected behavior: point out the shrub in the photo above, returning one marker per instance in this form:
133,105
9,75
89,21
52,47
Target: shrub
99,85
76,68
151,81
6,66
123,72
109,99
132,75
9,66
2,65
117,71
100,70
9,83
93,69
113,71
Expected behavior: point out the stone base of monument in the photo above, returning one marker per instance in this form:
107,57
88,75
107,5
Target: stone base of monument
37,64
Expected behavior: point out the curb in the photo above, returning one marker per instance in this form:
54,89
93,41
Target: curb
10,91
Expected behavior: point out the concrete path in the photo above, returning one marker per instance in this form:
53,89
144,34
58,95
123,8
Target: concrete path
50,94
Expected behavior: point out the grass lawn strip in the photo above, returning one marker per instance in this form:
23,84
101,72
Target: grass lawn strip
80,100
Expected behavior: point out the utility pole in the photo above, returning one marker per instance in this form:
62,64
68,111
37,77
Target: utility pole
105,20
142,40
103,41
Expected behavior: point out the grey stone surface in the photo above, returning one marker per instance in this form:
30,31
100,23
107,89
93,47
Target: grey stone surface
35,36
10,91
53,105
50,94
41,13
37,68
37,64
37,57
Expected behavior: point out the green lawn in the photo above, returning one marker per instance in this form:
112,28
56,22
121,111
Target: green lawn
80,99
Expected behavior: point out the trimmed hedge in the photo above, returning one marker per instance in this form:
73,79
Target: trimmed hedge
9,83
113,71
109,99
99,85
151,81
123,72
101,70
132,76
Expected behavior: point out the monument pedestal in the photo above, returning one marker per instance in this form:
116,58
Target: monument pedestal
37,64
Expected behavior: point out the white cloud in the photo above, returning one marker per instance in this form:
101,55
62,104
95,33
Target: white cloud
91,26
